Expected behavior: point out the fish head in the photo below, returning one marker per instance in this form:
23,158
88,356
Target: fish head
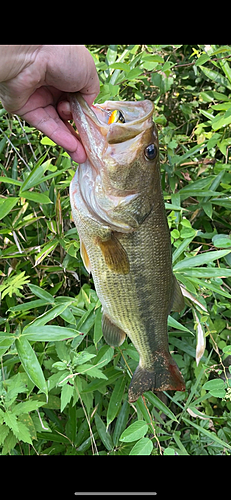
121,142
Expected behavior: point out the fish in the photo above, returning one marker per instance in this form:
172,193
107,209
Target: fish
118,208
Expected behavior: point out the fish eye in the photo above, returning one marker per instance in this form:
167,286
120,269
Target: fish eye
150,152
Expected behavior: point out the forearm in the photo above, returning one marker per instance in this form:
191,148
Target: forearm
14,58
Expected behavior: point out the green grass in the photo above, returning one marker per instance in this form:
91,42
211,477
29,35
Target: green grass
63,390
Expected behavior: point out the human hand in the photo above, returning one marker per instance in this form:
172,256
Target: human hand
34,82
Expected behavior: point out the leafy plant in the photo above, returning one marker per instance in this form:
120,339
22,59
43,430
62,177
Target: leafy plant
63,390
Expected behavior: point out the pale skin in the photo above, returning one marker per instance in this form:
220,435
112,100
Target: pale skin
34,82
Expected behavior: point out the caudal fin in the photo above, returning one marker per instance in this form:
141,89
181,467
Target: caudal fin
164,376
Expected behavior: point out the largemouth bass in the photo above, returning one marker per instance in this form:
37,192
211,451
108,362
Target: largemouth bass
118,209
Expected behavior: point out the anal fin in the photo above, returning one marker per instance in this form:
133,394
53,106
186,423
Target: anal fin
114,254
113,335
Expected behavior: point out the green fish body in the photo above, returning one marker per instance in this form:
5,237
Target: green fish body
118,209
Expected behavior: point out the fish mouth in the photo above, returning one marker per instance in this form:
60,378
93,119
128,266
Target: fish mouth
136,117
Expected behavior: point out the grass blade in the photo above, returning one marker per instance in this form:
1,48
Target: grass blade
207,433
115,400
103,433
7,205
201,259
152,398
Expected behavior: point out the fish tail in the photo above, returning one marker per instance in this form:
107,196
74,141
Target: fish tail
163,376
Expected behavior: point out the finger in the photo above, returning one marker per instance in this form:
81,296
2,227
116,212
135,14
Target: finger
64,110
48,121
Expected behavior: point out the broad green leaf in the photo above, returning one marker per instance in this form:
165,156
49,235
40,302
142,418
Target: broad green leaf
83,357
197,186
111,54
91,370
143,447
9,443
27,406
222,202
46,141
216,77
68,316
134,73
5,344
152,398
227,350
7,205
170,451
4,432
48,333
153,58
40,198
111,374
35,175
179,444
120,65
13,284
183,346
200,259
104,355
176,324
210,286
205,272
121,422
221,121
191,152
103,433
202,60
55,311
115,400
66,395
208,209
134,432
11,420
9,180
222,241
41,293
177,253
216,383
225,66
217,393
30,363
86,322
23,433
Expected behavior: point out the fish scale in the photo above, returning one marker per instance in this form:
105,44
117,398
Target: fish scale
130,259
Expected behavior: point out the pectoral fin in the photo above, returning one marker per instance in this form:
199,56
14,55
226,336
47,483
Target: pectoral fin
114,254
178,299
85,258
113,335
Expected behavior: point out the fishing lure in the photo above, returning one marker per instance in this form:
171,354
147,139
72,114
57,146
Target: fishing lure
116,117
